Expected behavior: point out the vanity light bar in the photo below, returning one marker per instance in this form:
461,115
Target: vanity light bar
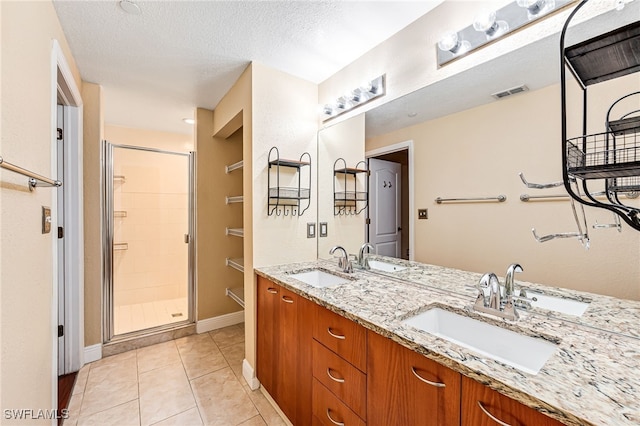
359,96
489,26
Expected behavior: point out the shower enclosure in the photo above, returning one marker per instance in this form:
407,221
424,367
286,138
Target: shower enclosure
148,263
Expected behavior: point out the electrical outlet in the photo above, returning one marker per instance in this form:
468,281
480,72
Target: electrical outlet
311,229
423,214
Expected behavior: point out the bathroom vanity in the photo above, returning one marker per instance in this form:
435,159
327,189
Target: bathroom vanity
347,353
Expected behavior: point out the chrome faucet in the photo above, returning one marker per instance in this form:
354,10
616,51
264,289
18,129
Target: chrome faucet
497,303
363,260
343,262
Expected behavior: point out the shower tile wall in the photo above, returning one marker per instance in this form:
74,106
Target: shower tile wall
154,197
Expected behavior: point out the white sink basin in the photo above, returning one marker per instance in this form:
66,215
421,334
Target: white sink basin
319,278
558,304
525,353
385,266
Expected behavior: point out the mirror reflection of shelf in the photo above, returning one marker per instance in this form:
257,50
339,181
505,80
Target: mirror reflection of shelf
234,199
237,294
348,202
234,166
119,213
119,179
237,263
236,232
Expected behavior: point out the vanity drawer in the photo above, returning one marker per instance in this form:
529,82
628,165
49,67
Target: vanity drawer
328,410
344,380
342,336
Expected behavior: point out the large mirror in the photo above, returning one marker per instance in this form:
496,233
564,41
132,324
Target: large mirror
462,143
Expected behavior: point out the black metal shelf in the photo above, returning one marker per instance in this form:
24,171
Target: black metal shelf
287,199
347,201
611,158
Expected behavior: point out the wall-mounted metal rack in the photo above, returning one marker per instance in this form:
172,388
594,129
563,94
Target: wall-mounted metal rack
34,178
347,199
288,200
611,158
499,199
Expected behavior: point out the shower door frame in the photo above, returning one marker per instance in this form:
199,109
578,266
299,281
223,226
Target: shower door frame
107,245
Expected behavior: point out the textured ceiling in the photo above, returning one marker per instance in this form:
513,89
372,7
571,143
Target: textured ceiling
158,66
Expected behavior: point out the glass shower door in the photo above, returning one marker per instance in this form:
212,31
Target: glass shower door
148,228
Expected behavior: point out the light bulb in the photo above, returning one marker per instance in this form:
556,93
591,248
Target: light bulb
327,109
450,42
536,8
486,22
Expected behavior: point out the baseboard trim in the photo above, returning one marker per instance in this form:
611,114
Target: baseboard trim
92,353
249,375
221,321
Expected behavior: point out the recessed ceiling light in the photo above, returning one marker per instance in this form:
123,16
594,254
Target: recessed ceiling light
189,120
130,7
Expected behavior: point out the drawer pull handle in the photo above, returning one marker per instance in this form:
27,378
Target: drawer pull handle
287,299
484,410
333,421
429,382
337,336
272,290
335,379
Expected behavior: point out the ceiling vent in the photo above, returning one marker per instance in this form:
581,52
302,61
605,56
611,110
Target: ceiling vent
509,92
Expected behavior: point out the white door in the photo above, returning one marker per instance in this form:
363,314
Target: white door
61,259
384,207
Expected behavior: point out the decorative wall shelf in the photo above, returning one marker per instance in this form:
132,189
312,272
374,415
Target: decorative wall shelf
350,200
288,200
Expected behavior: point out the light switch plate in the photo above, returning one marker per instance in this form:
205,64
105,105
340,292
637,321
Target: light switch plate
46,219
311,229
323,229
423,214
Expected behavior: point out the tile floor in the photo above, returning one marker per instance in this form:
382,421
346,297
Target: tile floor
141,316
195,380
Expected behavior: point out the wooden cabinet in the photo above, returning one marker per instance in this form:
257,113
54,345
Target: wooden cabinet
406,388
284,349
329,410
482,406
342,336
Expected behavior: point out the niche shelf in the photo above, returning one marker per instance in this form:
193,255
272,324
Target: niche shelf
234,166
237,294
236,232
234,199
288,200
353,198
237,263
610,158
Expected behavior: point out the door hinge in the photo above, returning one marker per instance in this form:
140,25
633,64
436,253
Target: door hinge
60,134
367,221
60,232
60,330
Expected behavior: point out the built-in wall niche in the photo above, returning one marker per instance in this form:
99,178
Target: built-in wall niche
288,184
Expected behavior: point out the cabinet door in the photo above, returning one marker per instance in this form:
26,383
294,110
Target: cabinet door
287,361
267,325
482,406
406,388
328,410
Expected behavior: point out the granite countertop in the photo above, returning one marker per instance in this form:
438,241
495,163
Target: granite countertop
592,378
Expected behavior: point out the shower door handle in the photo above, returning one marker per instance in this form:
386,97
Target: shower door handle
187,238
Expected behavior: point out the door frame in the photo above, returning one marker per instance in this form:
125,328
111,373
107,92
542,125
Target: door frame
72,263
406,145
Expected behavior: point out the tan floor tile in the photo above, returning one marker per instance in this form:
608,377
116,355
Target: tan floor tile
164,392
81,379
187,418
156,356
123,415
200,355
108,394
123,369
114,359
266,410
234,355
227,336
221,399
254,421
75,403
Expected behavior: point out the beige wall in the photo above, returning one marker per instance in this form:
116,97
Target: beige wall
27,285
344,140
93,134
479,152
214,215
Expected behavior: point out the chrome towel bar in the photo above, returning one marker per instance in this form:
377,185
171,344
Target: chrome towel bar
34,178
499,198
